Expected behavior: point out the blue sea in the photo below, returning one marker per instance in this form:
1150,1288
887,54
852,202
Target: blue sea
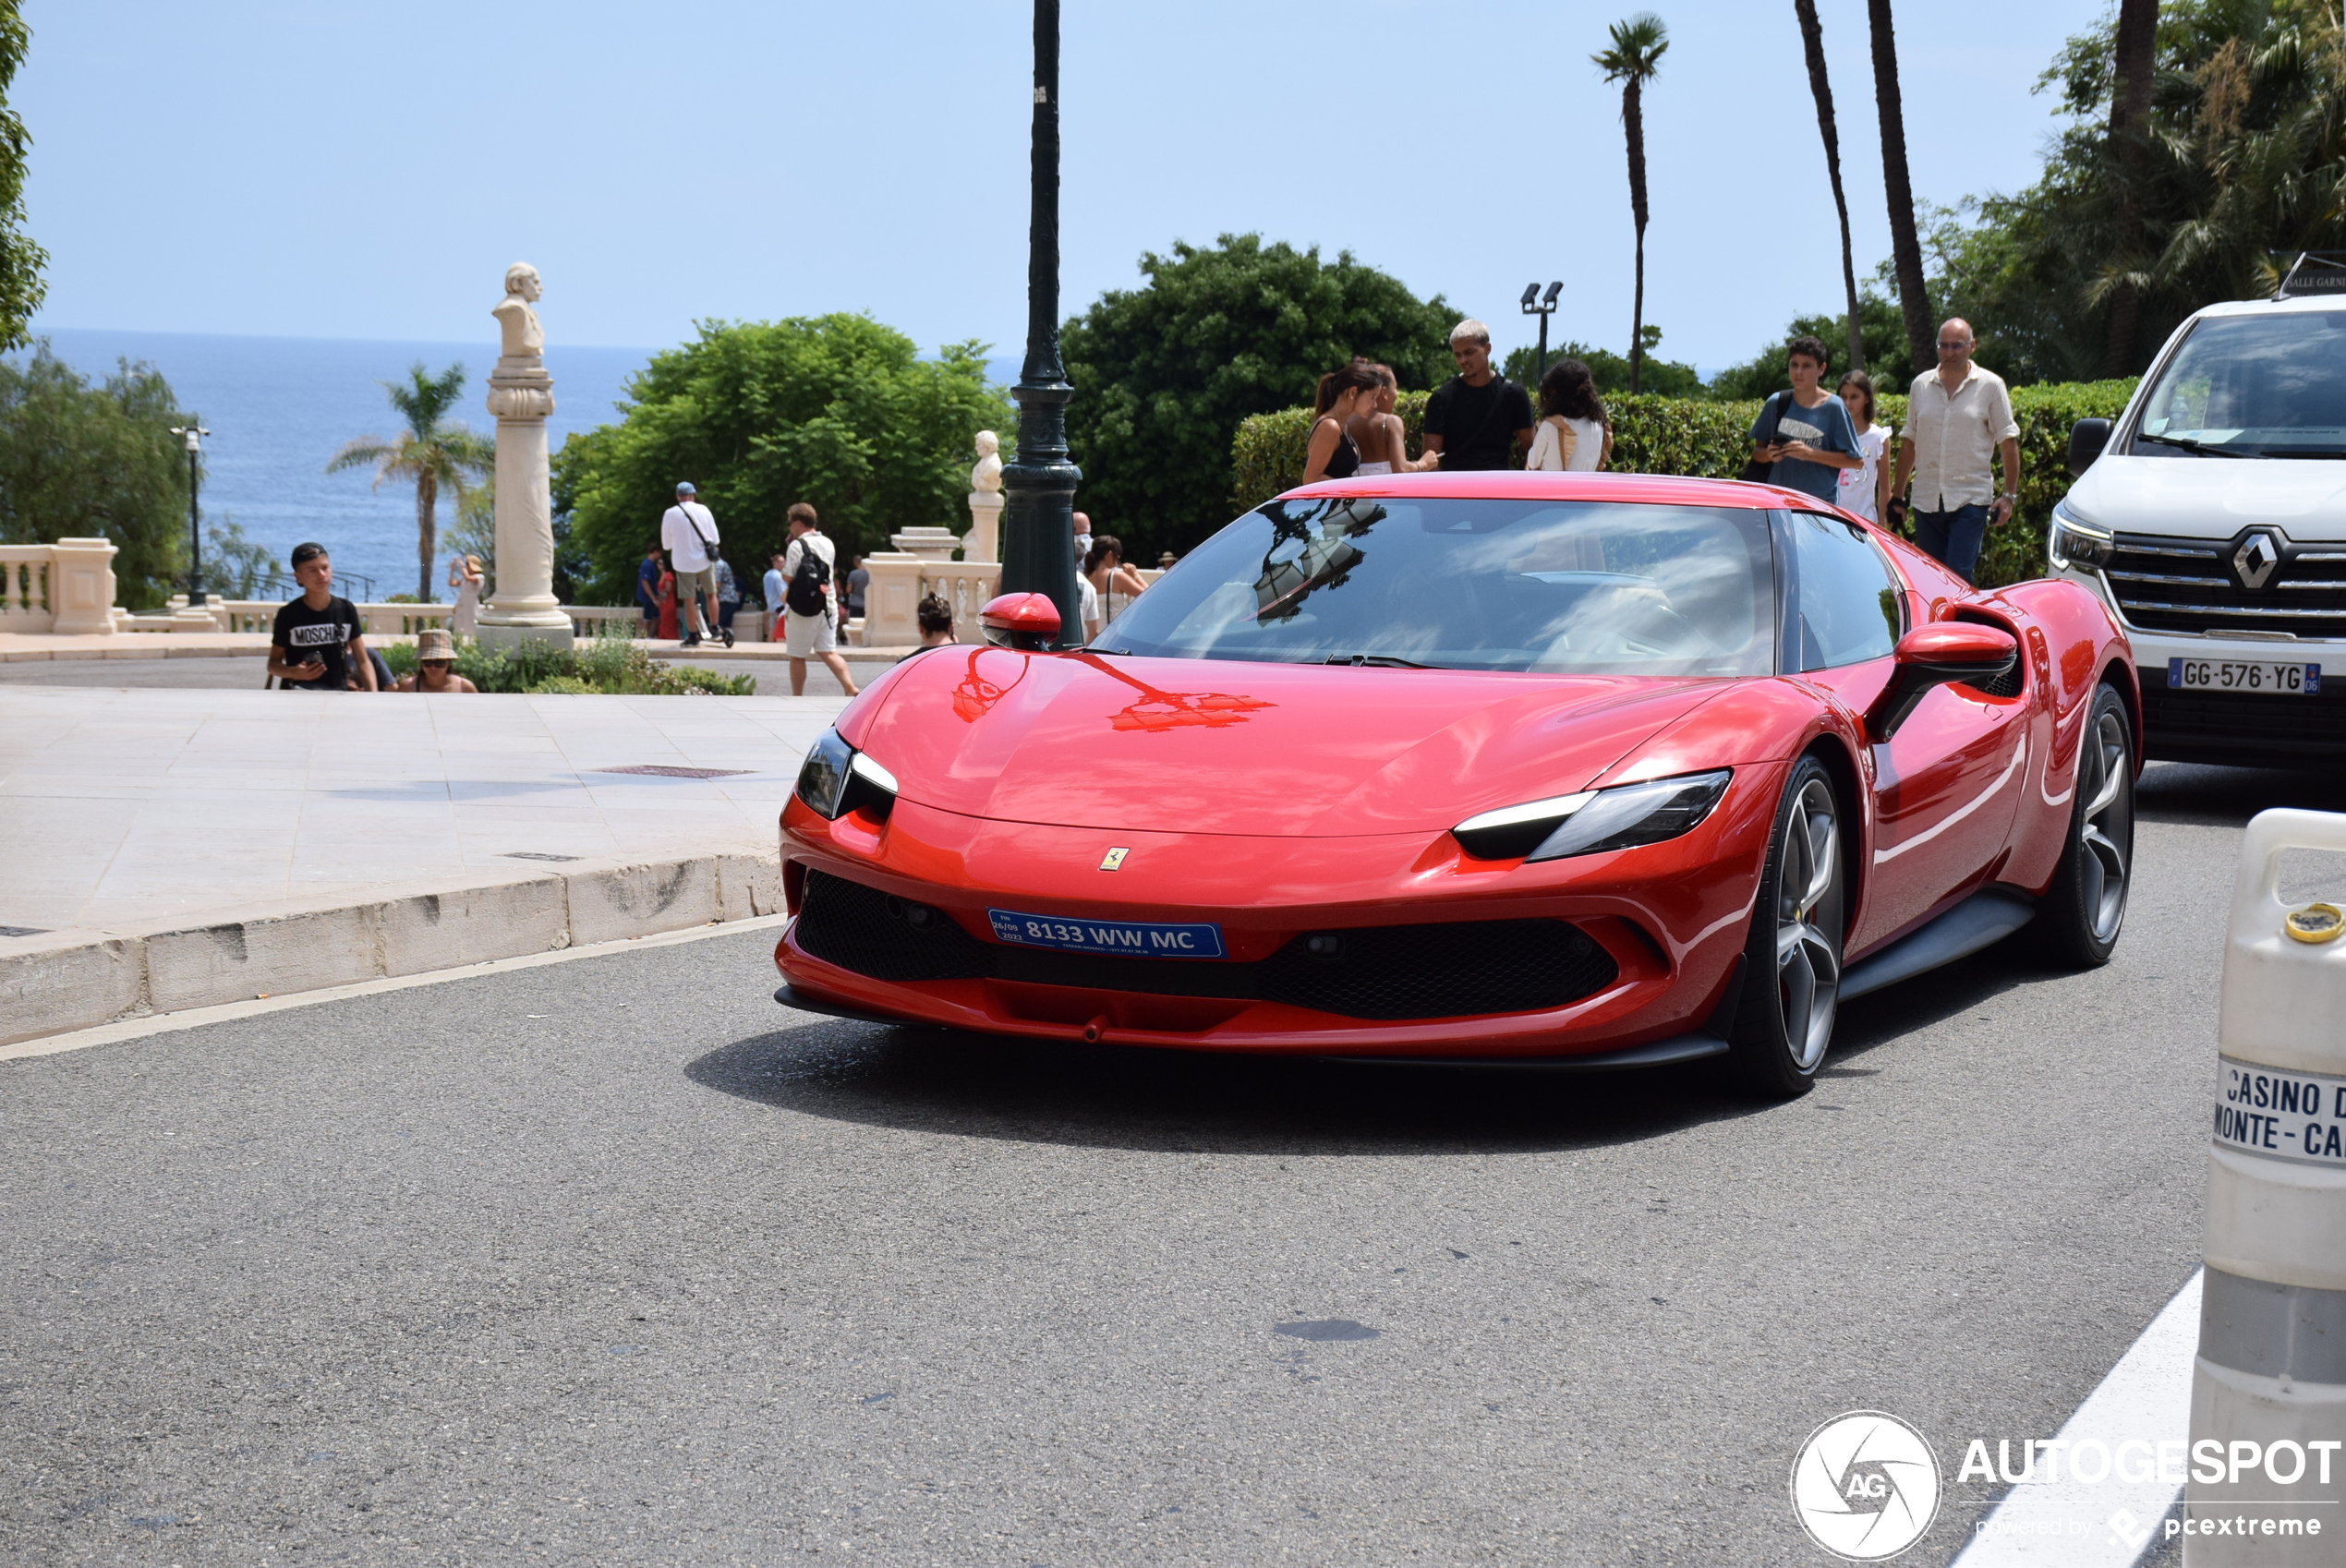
279,407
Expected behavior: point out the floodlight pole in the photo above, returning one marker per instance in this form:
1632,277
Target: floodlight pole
1543,307
192,434
1038,531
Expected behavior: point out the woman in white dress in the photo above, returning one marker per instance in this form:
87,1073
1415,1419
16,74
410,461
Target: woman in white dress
1865,490
1574,435
1377,431
465,576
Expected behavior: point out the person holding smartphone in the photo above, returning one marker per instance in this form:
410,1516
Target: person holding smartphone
319,643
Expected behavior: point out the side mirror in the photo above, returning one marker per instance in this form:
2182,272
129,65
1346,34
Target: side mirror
1029,622
2087,438
1942,653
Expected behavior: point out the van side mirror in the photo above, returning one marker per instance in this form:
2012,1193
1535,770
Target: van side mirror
2087,438
1942,653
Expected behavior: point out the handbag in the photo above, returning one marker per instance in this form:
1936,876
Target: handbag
1756,471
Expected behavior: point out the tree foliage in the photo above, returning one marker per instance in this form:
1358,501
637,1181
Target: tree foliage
1886,352
84,461
1164,373
2241,164
1610,371
837,411
1634,59
21,288
433,454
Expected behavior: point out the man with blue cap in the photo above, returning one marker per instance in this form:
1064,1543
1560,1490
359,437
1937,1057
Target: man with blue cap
688,532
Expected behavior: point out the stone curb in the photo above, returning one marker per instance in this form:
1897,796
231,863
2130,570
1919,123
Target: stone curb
62,981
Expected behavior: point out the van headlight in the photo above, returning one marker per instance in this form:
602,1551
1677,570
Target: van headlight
2074,544
836,778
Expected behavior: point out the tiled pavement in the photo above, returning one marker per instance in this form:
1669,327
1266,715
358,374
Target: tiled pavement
120,807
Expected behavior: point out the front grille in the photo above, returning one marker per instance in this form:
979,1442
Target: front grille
2184,585
2238,727
1457,970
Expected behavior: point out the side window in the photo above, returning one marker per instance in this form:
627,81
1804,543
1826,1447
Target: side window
1846,607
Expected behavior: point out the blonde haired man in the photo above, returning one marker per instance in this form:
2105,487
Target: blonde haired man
1474,418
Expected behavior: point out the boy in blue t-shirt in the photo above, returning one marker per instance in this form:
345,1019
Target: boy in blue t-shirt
1814,438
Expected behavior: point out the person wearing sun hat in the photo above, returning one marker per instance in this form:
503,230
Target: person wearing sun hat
435,665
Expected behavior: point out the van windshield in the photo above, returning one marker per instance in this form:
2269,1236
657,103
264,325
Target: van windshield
2251,386
1578,587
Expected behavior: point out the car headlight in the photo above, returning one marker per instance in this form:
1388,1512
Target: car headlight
1594,821
836,778
2074,543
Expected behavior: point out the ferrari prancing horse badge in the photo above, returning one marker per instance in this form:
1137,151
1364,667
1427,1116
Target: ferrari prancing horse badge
1113,859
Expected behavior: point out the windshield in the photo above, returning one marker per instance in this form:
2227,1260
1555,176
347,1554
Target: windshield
1580,588
2252,386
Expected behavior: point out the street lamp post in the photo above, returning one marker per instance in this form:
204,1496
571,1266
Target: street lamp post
1534,304
1038,483
193,434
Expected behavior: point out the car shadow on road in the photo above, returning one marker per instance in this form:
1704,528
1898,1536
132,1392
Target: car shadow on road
2199,795
1198,1102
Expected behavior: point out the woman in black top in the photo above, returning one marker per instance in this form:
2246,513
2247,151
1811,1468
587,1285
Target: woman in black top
1331,453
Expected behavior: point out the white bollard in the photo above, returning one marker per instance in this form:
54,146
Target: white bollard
2268,1388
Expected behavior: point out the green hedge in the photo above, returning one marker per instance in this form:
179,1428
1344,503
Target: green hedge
1667,435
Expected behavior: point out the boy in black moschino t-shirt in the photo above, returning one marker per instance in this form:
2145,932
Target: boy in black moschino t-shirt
318,645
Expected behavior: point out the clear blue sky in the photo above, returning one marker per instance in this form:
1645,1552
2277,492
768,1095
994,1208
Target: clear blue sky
323,169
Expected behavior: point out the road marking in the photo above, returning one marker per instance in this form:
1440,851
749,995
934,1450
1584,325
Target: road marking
2146,1395
163,1023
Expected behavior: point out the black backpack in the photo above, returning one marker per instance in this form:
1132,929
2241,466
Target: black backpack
804,595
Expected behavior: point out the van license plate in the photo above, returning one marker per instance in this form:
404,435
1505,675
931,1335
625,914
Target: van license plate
2243,675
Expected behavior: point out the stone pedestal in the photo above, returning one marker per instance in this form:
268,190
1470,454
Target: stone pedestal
927,544
522,608
984,539
81,586
892,597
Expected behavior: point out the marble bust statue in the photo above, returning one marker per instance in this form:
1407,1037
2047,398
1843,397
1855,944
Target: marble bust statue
986,477
523,339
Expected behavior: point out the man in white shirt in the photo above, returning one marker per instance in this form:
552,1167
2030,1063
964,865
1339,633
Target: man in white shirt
810,608
688,532
1957,416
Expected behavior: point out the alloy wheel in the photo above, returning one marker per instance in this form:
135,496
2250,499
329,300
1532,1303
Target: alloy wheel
2106,840
1808,956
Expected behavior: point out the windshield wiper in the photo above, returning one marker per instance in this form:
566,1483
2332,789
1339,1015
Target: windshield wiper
1382,661
2189,446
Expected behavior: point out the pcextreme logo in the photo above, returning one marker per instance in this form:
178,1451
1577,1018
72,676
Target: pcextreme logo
1866,1486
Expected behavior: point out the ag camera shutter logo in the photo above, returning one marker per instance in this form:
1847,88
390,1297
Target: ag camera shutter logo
1866,1486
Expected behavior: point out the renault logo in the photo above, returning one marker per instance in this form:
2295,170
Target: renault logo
2255,559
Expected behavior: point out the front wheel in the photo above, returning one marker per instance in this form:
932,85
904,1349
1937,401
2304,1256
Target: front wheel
1792,963
2085,907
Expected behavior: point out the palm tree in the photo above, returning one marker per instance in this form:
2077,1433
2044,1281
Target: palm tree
1905,245
2135,64
1812,40
429,454
1634,60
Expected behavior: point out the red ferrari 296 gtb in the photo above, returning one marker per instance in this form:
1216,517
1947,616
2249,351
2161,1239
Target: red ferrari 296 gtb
1585,769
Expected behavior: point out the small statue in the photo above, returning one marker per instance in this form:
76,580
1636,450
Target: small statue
523,339
986,477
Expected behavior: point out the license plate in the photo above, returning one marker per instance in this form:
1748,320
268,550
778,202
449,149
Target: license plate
2244,675
1127,938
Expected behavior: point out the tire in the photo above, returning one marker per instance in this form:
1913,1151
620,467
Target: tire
2086,908
1791,961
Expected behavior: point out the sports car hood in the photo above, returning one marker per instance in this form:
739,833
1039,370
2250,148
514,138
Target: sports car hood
1215,746
2212,497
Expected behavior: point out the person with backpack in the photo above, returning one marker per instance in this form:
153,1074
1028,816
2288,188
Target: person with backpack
688,532
1804,437
810,615
1475,418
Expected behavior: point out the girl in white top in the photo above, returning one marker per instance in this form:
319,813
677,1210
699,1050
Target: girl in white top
1113,585
1377,431
1865,490
1574,435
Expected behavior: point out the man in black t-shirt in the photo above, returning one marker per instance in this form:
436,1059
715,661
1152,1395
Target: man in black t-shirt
1472,418
319,643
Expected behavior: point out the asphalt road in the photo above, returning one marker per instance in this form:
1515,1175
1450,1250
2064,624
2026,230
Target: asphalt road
773,678
613,1261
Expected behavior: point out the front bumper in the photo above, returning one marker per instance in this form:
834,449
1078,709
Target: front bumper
2237,729
1670,920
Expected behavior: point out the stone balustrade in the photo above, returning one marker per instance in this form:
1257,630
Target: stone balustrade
24,588
66,587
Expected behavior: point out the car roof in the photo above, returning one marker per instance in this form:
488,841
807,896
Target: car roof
2321,304
1507,484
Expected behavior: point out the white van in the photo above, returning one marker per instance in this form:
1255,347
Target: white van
2211,516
